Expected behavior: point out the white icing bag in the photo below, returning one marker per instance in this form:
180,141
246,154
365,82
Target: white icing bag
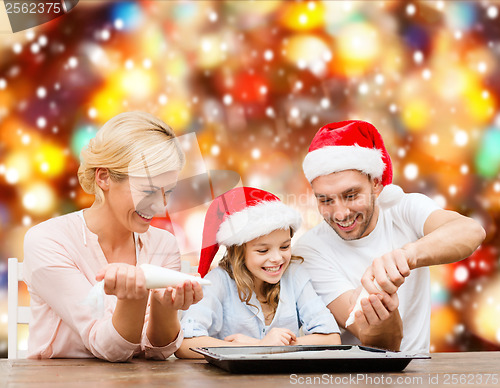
159,277
357,306
156,277
95,300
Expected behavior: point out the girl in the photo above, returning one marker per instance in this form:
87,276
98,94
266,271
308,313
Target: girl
130,166
260,295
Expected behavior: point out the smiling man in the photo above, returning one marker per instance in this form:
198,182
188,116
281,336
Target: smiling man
374,233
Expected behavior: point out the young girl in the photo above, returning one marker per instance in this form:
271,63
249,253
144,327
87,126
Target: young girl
130,166
260,295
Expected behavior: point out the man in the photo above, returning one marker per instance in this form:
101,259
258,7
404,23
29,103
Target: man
374,233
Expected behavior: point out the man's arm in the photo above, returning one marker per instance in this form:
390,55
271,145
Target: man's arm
378,324
448,237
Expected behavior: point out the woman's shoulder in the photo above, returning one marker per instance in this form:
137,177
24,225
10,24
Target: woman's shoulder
50,228
52,238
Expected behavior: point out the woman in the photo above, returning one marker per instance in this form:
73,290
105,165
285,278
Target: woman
130,166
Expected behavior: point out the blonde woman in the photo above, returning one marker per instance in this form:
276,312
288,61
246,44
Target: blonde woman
130,167
260,295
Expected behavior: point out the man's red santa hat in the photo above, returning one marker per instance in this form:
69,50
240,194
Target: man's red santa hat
352,145
241,215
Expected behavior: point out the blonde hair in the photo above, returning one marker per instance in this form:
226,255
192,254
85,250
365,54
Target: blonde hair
131,143
233,263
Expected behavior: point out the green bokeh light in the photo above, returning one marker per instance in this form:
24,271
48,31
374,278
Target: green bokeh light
81,138
488,156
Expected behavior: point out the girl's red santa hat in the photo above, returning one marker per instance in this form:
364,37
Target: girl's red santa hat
241,215
352,145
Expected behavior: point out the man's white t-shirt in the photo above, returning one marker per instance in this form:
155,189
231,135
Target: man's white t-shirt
336,265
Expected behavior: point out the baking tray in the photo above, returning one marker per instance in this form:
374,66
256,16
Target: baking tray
306,358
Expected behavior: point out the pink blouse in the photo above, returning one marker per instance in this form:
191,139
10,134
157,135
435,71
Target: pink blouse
61,259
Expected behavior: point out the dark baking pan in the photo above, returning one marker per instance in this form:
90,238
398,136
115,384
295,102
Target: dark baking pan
306,358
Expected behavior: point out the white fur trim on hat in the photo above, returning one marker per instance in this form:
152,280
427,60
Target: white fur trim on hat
256,221
390,196
330,159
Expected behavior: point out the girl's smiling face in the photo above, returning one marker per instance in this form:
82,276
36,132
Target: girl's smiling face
267,257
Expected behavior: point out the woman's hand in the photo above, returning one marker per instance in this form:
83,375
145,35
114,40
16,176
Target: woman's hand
127,282
278,337
179,297
123,280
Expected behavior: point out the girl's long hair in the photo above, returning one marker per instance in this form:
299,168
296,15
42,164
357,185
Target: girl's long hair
233,263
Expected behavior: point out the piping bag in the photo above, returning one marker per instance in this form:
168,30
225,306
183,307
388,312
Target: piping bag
159,277
156,277
357,306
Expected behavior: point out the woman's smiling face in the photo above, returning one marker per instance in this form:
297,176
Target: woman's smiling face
136,200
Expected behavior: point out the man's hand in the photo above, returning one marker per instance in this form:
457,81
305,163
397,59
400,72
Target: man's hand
373,330
389,270
378,322
375,310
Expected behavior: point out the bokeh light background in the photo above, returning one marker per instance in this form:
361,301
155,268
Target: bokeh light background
254,80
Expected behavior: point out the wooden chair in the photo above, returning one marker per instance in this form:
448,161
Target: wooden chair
17,315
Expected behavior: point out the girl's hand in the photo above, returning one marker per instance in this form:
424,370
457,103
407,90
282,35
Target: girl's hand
123,280
180,297
278,337
241,339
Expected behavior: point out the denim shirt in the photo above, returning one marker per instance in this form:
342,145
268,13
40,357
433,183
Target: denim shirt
221,312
